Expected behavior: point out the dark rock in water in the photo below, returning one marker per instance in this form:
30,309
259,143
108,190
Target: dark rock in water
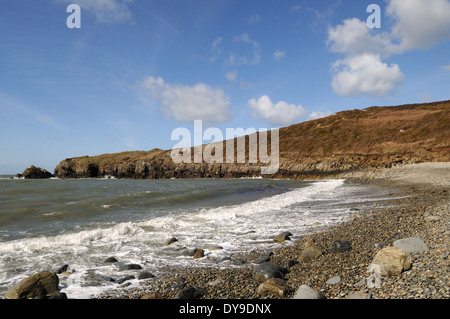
62,269
40,284
222,259
189,252
111,260
281,238
123,279
171,241
34,172
104,278
339,246
145,275
268,270
200,253
123,267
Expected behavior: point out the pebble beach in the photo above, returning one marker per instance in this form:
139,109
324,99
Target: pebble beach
341,268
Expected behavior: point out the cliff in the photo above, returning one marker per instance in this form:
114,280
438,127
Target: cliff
345,141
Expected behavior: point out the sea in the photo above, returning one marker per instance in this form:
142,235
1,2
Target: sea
47,224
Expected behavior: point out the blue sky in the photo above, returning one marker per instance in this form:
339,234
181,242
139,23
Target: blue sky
136,69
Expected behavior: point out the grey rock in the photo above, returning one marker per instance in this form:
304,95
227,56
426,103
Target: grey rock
62,269
306,292
411,245
171,241
145,275
268,270
111,260
339,246
263,258
123,267
333,280
122,280
103,278
190,293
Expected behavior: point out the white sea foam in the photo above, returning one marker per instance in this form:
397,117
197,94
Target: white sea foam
235,228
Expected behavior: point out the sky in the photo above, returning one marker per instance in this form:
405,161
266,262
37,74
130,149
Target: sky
122,75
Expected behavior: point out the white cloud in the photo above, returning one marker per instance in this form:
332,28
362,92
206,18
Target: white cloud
420,24
281,113
365,74
354,37
446,67
188,103
278,55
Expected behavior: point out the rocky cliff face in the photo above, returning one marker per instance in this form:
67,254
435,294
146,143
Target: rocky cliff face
345,141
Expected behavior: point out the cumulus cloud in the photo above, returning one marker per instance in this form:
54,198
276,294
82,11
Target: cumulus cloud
281,113
418,24
354,37
105,10
188,103
365,74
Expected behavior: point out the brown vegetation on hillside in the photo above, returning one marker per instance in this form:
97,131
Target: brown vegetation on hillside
345,141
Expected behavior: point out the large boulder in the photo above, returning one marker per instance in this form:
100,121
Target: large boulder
310,252
34,172
267,270
391,261
37,285
275,287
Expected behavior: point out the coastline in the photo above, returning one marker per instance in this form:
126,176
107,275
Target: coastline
421,211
